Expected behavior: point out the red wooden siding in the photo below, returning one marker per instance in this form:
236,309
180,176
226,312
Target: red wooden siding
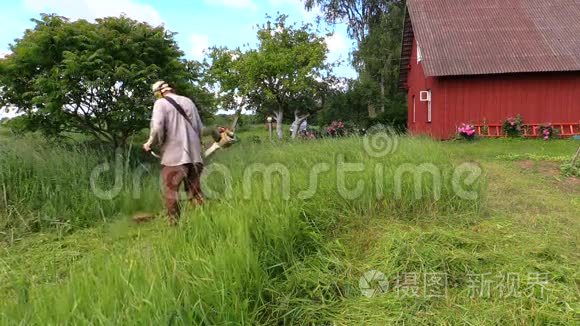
416,82
538,97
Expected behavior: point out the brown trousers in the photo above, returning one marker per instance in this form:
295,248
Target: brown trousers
173,176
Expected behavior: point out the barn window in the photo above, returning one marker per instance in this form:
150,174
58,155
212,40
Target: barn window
419,54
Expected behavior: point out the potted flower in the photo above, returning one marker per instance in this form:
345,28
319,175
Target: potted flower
466,131
513,127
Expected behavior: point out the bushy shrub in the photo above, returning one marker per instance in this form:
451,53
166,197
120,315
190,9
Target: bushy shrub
547,131
336,129
342,129
513,127
466,131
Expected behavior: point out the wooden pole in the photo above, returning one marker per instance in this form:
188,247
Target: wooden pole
576,156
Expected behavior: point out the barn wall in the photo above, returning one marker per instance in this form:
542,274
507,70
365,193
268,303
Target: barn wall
417,82
538,97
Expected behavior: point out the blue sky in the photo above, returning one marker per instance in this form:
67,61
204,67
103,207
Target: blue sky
199,23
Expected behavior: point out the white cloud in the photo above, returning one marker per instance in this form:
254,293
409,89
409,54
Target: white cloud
336,43
338,48
240,4
91,9
200,43
4,54
8,112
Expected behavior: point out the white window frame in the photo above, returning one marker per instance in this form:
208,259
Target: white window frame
419,54
414,110
429,111
427,96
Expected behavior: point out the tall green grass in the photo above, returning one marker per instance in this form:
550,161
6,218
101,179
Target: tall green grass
244,258
47,185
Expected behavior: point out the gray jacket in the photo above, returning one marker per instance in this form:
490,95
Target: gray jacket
180,141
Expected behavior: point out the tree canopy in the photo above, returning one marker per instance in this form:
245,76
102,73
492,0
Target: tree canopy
359,15
94,78
285,74
376,26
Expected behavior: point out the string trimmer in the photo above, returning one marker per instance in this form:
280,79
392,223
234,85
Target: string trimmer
223,137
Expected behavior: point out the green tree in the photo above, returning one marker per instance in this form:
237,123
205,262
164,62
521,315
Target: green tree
285,75
348,104
359,15
93,78
376,26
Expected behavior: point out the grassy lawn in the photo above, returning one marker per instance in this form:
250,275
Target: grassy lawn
530,225
259,259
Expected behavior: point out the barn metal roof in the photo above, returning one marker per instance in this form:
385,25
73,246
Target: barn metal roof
470,37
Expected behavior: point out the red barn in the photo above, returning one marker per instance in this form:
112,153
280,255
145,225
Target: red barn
482,61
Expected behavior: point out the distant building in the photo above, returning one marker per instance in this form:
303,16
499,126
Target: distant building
487,60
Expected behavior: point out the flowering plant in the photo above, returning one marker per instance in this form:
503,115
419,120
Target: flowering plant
336,129
308,134
547,131
485,128
466,131
513,126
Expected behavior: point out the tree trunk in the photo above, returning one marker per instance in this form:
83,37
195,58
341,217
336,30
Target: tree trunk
115,143
382,92
279,121
372,111
297,123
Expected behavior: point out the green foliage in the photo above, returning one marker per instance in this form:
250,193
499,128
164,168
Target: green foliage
530,156
378,55
47,185
92,78
282,76
377,28
570,170
359,15
16,125
513,127
352,104
349,105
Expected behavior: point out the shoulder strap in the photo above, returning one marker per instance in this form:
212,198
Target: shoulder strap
179,109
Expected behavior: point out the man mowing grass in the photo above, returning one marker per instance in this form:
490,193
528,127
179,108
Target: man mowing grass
177,128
